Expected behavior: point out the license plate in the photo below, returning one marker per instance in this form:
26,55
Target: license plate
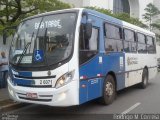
43,82
31,95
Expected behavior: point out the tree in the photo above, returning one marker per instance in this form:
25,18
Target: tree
122,16
126,17
156,25
151,12
13,11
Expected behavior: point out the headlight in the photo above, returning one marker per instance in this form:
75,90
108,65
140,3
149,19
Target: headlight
64,79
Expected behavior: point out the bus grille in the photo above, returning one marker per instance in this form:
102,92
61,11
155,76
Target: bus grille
41,98
35,86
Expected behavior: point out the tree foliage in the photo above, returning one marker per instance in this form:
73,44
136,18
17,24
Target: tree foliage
151,12
13,11
156,25
122,16
126,17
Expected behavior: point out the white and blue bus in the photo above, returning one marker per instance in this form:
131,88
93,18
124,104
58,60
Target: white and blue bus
69,57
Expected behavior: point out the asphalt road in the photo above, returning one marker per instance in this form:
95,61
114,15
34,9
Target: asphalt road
132,100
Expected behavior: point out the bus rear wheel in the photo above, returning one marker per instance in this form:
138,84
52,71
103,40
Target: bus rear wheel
109,90
144,82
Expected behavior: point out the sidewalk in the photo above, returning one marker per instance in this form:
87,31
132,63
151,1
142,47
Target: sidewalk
6,104
4,94
5,101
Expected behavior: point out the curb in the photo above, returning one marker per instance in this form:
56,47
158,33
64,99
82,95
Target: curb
9,105
12,106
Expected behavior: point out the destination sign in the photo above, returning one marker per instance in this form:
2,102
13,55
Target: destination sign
48,24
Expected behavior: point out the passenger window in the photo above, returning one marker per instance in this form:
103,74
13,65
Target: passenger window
129,35
88,48
141,38
130,44
151,45
142,47
113,41
112,31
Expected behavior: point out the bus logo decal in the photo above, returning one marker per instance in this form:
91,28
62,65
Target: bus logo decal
132,60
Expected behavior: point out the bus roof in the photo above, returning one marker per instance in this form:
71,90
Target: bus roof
54,12
105,17
119,22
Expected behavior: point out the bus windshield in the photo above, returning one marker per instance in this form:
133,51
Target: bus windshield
44,40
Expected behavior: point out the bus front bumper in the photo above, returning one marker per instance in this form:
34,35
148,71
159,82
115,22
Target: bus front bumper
66,95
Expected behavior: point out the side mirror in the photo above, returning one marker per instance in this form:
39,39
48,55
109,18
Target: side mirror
88,30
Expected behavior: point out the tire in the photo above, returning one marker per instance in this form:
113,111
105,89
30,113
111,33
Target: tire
109,90
144,82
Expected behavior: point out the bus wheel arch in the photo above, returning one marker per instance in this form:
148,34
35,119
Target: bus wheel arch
145,78
109,89
114,76
147,71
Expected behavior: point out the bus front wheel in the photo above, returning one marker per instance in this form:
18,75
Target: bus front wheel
109,90
144,82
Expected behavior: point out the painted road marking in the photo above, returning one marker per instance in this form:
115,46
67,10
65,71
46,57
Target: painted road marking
131,108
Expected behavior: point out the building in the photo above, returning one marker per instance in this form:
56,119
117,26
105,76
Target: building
134,7
157,4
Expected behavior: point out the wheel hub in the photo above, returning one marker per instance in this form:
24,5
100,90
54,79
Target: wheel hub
109,89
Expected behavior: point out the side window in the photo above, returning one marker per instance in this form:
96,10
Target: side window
112,31
130,44
93,41
151,45
88,48
142,48
113,41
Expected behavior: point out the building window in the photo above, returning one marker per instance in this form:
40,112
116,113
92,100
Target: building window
120,6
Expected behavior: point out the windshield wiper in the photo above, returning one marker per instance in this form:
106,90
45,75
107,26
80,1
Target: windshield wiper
25,49
23,53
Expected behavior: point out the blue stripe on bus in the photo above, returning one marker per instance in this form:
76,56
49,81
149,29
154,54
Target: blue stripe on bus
25,74
111,62
94,85
22,74
23,82
83,91
91,68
